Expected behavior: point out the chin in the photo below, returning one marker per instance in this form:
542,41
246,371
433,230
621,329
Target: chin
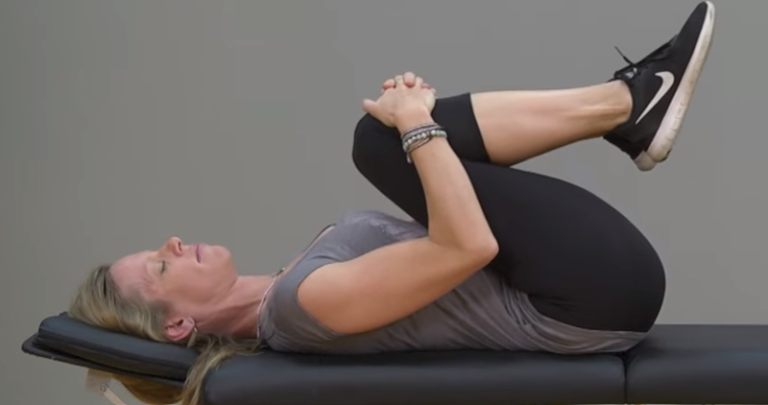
222,254
216,256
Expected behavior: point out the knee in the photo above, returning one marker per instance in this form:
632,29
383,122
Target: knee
366,145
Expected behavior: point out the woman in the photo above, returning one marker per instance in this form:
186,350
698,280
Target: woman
495,258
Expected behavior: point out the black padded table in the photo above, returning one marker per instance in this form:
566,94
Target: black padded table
713,364
677,364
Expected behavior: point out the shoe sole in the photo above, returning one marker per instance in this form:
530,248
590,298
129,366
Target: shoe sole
665,137
644,162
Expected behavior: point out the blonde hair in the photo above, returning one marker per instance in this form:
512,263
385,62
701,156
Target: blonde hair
98,303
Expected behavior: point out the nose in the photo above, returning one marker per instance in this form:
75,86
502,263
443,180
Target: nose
173,246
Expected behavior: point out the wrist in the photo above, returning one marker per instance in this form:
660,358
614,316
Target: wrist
411,118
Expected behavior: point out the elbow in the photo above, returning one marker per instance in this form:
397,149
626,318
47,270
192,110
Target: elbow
483,250
489,250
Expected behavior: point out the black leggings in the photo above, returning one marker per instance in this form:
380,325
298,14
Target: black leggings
580,261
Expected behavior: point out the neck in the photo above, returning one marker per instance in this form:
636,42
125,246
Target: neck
237,314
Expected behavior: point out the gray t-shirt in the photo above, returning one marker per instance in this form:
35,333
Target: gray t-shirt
483,313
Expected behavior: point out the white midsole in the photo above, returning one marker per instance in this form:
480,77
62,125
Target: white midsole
670,125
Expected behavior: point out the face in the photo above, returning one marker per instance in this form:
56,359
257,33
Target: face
187,277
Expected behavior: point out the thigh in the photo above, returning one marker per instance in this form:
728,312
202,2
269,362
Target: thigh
579,259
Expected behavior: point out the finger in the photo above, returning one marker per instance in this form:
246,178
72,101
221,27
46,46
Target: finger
399,81
426,86
370,106
418,82
388,84
409,79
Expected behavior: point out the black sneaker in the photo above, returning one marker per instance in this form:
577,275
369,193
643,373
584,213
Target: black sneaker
662,85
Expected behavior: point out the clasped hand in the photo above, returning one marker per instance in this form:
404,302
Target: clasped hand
404,95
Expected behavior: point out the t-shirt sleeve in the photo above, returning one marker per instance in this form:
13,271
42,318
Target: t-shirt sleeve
289,324
292,325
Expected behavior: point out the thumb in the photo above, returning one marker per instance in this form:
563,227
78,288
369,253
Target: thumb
370,106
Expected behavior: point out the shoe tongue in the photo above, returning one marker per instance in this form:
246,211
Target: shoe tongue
633,69
658,53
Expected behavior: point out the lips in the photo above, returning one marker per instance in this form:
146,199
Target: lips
197,251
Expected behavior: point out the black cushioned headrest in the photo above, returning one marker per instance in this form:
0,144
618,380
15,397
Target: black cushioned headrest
134,355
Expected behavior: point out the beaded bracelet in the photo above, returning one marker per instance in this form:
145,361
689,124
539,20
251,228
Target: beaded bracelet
419,128
417,137
410,135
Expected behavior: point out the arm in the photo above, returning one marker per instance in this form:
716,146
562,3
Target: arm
392,282
456,219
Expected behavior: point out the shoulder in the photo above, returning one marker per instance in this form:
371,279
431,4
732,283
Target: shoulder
378,227
355,234
284,319
370,216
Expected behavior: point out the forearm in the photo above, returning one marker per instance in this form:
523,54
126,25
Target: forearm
456,218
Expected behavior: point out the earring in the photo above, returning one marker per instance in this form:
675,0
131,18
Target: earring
192,338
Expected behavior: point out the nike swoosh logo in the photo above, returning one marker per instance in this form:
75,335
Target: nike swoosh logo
667,81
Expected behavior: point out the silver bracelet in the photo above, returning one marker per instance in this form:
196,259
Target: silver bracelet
415,139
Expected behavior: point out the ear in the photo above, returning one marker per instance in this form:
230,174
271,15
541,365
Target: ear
179,328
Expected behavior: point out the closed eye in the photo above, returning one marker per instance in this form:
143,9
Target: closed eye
163,266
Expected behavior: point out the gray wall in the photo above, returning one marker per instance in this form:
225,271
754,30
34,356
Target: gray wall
126,122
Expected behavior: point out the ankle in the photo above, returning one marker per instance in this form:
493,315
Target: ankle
623,98
617,104
603,107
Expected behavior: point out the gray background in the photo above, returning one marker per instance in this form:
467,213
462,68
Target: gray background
230,122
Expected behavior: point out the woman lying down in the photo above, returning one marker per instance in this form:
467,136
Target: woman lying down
495,258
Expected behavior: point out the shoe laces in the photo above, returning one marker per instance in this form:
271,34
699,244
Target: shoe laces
633,69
